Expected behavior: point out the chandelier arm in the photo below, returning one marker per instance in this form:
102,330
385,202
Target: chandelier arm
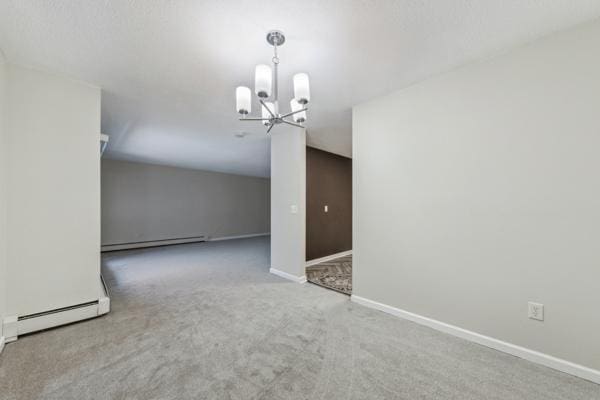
293,112
255,119
267,108
270,127
292,123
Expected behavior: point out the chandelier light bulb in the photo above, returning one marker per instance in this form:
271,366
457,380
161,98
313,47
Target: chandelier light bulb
266,114
243,98
299,116
301,88
262,81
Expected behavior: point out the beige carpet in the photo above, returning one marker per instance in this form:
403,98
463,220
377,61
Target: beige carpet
208,321
335,274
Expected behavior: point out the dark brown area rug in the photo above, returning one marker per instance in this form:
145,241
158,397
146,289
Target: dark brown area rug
335,274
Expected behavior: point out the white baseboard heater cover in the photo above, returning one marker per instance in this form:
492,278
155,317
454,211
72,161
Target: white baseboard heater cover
152,243
61,316
14,326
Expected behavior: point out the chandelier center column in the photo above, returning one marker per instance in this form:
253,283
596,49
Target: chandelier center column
275,79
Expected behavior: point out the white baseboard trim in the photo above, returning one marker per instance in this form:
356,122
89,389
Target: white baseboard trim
294,278
239,236
518,351
328,258
1,344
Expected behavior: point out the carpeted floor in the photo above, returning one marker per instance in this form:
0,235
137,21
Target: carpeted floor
207,321
335,274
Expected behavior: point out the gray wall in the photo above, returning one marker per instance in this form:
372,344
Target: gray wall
3,187
288,199
53,175
144,202
477,191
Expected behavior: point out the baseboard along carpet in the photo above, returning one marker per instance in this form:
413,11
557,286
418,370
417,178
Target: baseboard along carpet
334,274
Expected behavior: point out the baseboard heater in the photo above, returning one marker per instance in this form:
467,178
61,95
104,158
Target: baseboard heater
60,316
151,243
15,326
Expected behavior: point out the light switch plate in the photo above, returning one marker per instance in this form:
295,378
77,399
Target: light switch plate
535,311
326,208
294,209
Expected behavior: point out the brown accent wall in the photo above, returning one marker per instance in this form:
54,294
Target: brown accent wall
328,182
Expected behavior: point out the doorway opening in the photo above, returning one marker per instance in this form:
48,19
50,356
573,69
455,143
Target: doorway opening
329,220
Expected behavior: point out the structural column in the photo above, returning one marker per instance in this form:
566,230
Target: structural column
288,202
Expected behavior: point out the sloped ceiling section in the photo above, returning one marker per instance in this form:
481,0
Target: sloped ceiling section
168,69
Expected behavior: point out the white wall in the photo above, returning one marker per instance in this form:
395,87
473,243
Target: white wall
3,194
53,127
144,202
288,188
478,191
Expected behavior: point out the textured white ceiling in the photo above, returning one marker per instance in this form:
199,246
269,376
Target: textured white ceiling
169,69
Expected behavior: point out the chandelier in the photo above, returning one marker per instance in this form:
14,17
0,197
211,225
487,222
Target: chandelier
266,89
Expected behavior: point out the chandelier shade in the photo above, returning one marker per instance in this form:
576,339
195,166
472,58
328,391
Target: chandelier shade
301,88
268,106
263,79
243,99
297,108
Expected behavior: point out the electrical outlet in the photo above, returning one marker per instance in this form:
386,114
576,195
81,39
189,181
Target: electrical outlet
294,209
536,311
